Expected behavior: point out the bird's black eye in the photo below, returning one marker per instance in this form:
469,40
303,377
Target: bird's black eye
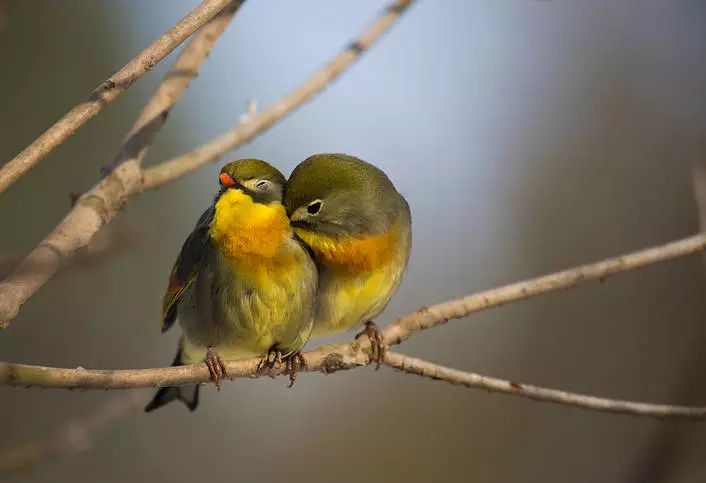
262,185
314,207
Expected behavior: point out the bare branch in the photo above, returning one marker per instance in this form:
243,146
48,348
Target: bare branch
107,92
117,239
428,317
326,359
76,436
102,202
99,205
472,380
244,132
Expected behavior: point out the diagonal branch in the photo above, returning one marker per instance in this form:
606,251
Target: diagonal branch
102,202
472,380
244,132
99,205
75,436
107,92
431,316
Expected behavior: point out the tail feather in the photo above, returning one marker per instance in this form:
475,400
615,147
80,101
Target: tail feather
189,394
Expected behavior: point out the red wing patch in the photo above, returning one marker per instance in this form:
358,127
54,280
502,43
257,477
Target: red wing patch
175,290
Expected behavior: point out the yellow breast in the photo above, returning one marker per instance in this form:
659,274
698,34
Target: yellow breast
242,228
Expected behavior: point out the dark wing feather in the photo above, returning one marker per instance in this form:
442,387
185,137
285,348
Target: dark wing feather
186,268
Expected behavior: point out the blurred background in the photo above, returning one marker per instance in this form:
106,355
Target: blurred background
528,137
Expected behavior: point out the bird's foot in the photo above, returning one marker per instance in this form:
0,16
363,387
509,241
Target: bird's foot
377,342
216,368
270,361
295,362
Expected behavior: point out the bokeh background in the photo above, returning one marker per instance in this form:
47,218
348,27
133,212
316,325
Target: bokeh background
528,136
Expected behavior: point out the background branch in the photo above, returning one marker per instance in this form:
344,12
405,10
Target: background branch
107,92
99,205
75,436
244,132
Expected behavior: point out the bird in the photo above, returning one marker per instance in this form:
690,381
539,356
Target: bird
243,284
359,228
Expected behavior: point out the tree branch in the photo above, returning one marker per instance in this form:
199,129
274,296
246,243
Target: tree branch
99,205
102,202
244,132
76,436
107,92
472,380
428,317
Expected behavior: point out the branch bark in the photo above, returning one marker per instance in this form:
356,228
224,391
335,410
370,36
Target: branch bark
428,317
244,132
102,202
476,381
99,205
107,92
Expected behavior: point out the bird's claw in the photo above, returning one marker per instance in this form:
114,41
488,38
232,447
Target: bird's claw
216,368
295,362
377,342
275,359
272,359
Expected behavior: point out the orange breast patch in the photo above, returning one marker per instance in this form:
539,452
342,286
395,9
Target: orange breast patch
354,254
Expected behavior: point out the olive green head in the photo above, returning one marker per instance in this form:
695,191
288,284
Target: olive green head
262,181
337,194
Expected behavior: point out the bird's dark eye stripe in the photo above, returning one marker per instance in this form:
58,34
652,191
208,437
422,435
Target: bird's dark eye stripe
313,207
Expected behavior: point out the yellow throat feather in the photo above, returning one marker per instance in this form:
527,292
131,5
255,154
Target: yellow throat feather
242,228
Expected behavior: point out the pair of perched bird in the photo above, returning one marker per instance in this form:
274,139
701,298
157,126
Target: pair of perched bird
273,262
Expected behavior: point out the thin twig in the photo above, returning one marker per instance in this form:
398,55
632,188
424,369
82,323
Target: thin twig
75,436
469,379
244,132
99,205
431,316
108,91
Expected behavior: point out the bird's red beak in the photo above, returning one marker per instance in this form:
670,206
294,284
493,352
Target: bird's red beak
226,179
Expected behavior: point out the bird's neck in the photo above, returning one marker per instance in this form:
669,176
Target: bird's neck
353,255
241,227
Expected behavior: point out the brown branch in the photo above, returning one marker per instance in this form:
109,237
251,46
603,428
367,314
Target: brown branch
102,202
107,92
117,239
244,132
428,317
75,436
472,380
99,205
326,359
